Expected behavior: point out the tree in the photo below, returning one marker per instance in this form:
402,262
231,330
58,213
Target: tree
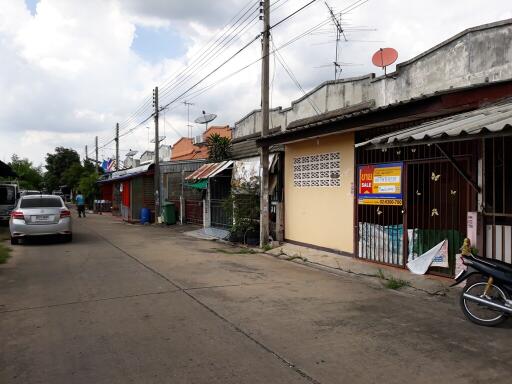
29,177
71,176
219,147
89,187
56,164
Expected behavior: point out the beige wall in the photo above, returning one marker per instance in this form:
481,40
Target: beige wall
321,216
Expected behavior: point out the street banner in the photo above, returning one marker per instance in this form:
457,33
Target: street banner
380,184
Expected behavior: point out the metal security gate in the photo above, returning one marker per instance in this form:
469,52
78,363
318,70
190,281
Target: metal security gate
497,197
220,189
193,198
437,205
436,199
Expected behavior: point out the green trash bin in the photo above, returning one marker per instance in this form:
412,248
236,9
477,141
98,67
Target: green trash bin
169,213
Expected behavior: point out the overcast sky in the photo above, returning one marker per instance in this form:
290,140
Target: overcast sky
71,69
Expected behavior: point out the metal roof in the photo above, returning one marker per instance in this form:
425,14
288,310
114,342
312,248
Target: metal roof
209,170
126,173
489,119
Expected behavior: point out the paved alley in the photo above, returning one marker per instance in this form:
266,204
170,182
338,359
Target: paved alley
134,304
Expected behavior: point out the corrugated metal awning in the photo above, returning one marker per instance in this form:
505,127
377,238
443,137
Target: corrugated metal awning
486,120
210,170
126,173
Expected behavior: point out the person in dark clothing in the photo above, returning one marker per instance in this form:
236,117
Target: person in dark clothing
80,204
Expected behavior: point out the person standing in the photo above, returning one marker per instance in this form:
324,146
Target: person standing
80,204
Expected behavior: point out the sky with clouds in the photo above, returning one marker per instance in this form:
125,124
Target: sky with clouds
71,69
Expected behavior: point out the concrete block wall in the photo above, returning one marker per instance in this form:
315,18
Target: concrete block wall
476,55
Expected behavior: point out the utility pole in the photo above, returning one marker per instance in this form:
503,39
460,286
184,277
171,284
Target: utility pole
189,126
264,150
96,144
117,146
157,156
86,154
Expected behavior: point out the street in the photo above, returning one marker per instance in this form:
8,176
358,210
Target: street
145,304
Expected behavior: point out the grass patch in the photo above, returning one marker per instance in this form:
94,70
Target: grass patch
295,257
4,233
241,251
4,254
267,247
393,283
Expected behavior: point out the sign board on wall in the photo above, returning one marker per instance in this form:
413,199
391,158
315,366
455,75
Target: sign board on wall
380,184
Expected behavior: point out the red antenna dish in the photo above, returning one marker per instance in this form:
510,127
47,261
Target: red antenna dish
384,57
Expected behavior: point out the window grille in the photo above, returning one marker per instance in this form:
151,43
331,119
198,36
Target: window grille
321,170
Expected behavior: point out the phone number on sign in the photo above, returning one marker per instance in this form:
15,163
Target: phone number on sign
380,201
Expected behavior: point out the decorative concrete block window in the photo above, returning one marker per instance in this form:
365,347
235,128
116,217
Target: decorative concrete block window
322,170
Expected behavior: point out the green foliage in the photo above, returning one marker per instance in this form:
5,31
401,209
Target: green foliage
4,254
219,147
29,177
88,186
56,166
244,205
266,247
393,283
71,176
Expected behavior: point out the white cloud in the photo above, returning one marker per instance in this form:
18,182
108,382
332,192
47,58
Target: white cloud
69,72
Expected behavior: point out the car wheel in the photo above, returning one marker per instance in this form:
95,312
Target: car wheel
14,241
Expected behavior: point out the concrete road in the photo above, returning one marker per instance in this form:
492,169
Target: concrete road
133,304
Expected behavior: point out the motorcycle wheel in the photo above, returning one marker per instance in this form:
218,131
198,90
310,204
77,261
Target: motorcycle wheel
479,313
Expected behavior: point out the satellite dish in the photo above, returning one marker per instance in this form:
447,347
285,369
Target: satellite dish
131,153
160,139
205,118
384,57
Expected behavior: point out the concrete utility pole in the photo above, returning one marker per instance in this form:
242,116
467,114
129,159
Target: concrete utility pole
157,156
86,154
96,144
264,150
117,146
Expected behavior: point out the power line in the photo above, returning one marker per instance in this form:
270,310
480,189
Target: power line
204,89
213,71
292,14
292,76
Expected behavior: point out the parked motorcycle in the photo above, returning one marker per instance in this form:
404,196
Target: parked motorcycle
487,297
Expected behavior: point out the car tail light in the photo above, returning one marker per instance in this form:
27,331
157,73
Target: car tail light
17,215
65,213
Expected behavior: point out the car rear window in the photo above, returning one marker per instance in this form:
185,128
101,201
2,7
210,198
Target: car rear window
43,202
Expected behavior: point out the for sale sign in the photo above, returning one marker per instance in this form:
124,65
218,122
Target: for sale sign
380,184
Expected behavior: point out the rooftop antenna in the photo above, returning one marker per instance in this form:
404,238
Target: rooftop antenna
189,126
205,119
384,57
339,32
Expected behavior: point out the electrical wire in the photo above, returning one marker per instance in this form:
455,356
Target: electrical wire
292,76
198,92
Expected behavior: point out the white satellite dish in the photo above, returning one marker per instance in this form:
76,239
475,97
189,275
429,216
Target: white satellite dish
131,153
205,118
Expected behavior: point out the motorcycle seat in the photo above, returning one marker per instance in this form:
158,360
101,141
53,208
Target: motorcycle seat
497,263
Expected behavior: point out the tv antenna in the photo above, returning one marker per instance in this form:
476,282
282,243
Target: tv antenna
339,33
384,57
189,126
205,118
160,139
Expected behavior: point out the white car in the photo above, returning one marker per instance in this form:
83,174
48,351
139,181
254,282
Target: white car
40,215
